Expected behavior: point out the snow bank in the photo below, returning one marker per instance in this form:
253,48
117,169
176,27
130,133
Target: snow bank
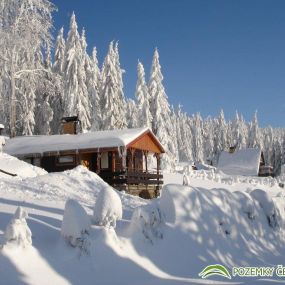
22,169
247,205
172,197
147,221
75,223
108,208
269,208
17,231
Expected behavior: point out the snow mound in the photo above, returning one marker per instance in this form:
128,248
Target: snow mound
22,169
108,208
75,223
147,221
269,208
17,232
247,204
172,197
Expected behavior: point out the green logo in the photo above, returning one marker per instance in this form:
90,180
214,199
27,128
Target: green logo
215,269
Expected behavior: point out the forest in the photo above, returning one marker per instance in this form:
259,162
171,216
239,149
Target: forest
44,79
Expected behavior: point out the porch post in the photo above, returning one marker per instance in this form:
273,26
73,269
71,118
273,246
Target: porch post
157,155
157,173
98,166
113,161
145,152
132,158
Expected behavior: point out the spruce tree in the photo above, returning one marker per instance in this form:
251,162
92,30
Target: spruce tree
143,99
76,98
113,103
161,113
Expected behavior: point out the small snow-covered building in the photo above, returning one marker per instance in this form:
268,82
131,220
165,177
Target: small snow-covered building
118,156
248,162
1,129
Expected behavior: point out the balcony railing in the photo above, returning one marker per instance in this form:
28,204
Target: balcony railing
132,177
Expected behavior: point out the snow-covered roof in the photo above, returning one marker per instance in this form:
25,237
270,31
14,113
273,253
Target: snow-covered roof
241,162
92,140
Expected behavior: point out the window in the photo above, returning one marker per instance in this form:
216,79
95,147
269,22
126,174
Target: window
27,159
37,161
67,159
104,160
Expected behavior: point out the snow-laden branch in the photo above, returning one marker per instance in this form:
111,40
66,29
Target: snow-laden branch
20,72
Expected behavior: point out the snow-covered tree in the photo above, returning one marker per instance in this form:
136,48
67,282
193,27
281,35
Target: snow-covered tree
76,99
222,132
254,134
47,89
113,103
161,113
93,86
132,114
121,102
56,101
25,34
143,99
184,136
197,131
208,140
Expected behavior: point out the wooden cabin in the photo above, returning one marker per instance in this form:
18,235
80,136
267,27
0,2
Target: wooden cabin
120,157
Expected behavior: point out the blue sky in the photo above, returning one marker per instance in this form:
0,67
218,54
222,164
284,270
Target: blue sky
215,54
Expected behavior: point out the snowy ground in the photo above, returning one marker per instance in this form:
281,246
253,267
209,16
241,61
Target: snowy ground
164,241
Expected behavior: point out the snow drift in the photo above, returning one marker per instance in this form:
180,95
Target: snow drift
18,167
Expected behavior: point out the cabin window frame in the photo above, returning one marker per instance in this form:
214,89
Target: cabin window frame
59,163
104,160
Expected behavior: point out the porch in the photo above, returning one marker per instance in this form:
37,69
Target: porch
144,184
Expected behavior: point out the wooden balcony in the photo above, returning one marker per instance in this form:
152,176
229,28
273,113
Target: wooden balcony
143,184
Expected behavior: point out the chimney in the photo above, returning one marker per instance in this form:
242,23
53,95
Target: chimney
70,125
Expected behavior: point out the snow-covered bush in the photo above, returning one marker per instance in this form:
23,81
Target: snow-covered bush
148,221
75,224
108,208
17,232
247,204
269,208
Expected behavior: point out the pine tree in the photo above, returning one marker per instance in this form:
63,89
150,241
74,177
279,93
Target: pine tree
76,99
93,85
56,101
197,131
113,103
121,102
142,98
208,140
254,133
132,114
46,89
161,113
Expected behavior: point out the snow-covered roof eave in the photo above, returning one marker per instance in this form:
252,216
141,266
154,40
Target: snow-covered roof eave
21,146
